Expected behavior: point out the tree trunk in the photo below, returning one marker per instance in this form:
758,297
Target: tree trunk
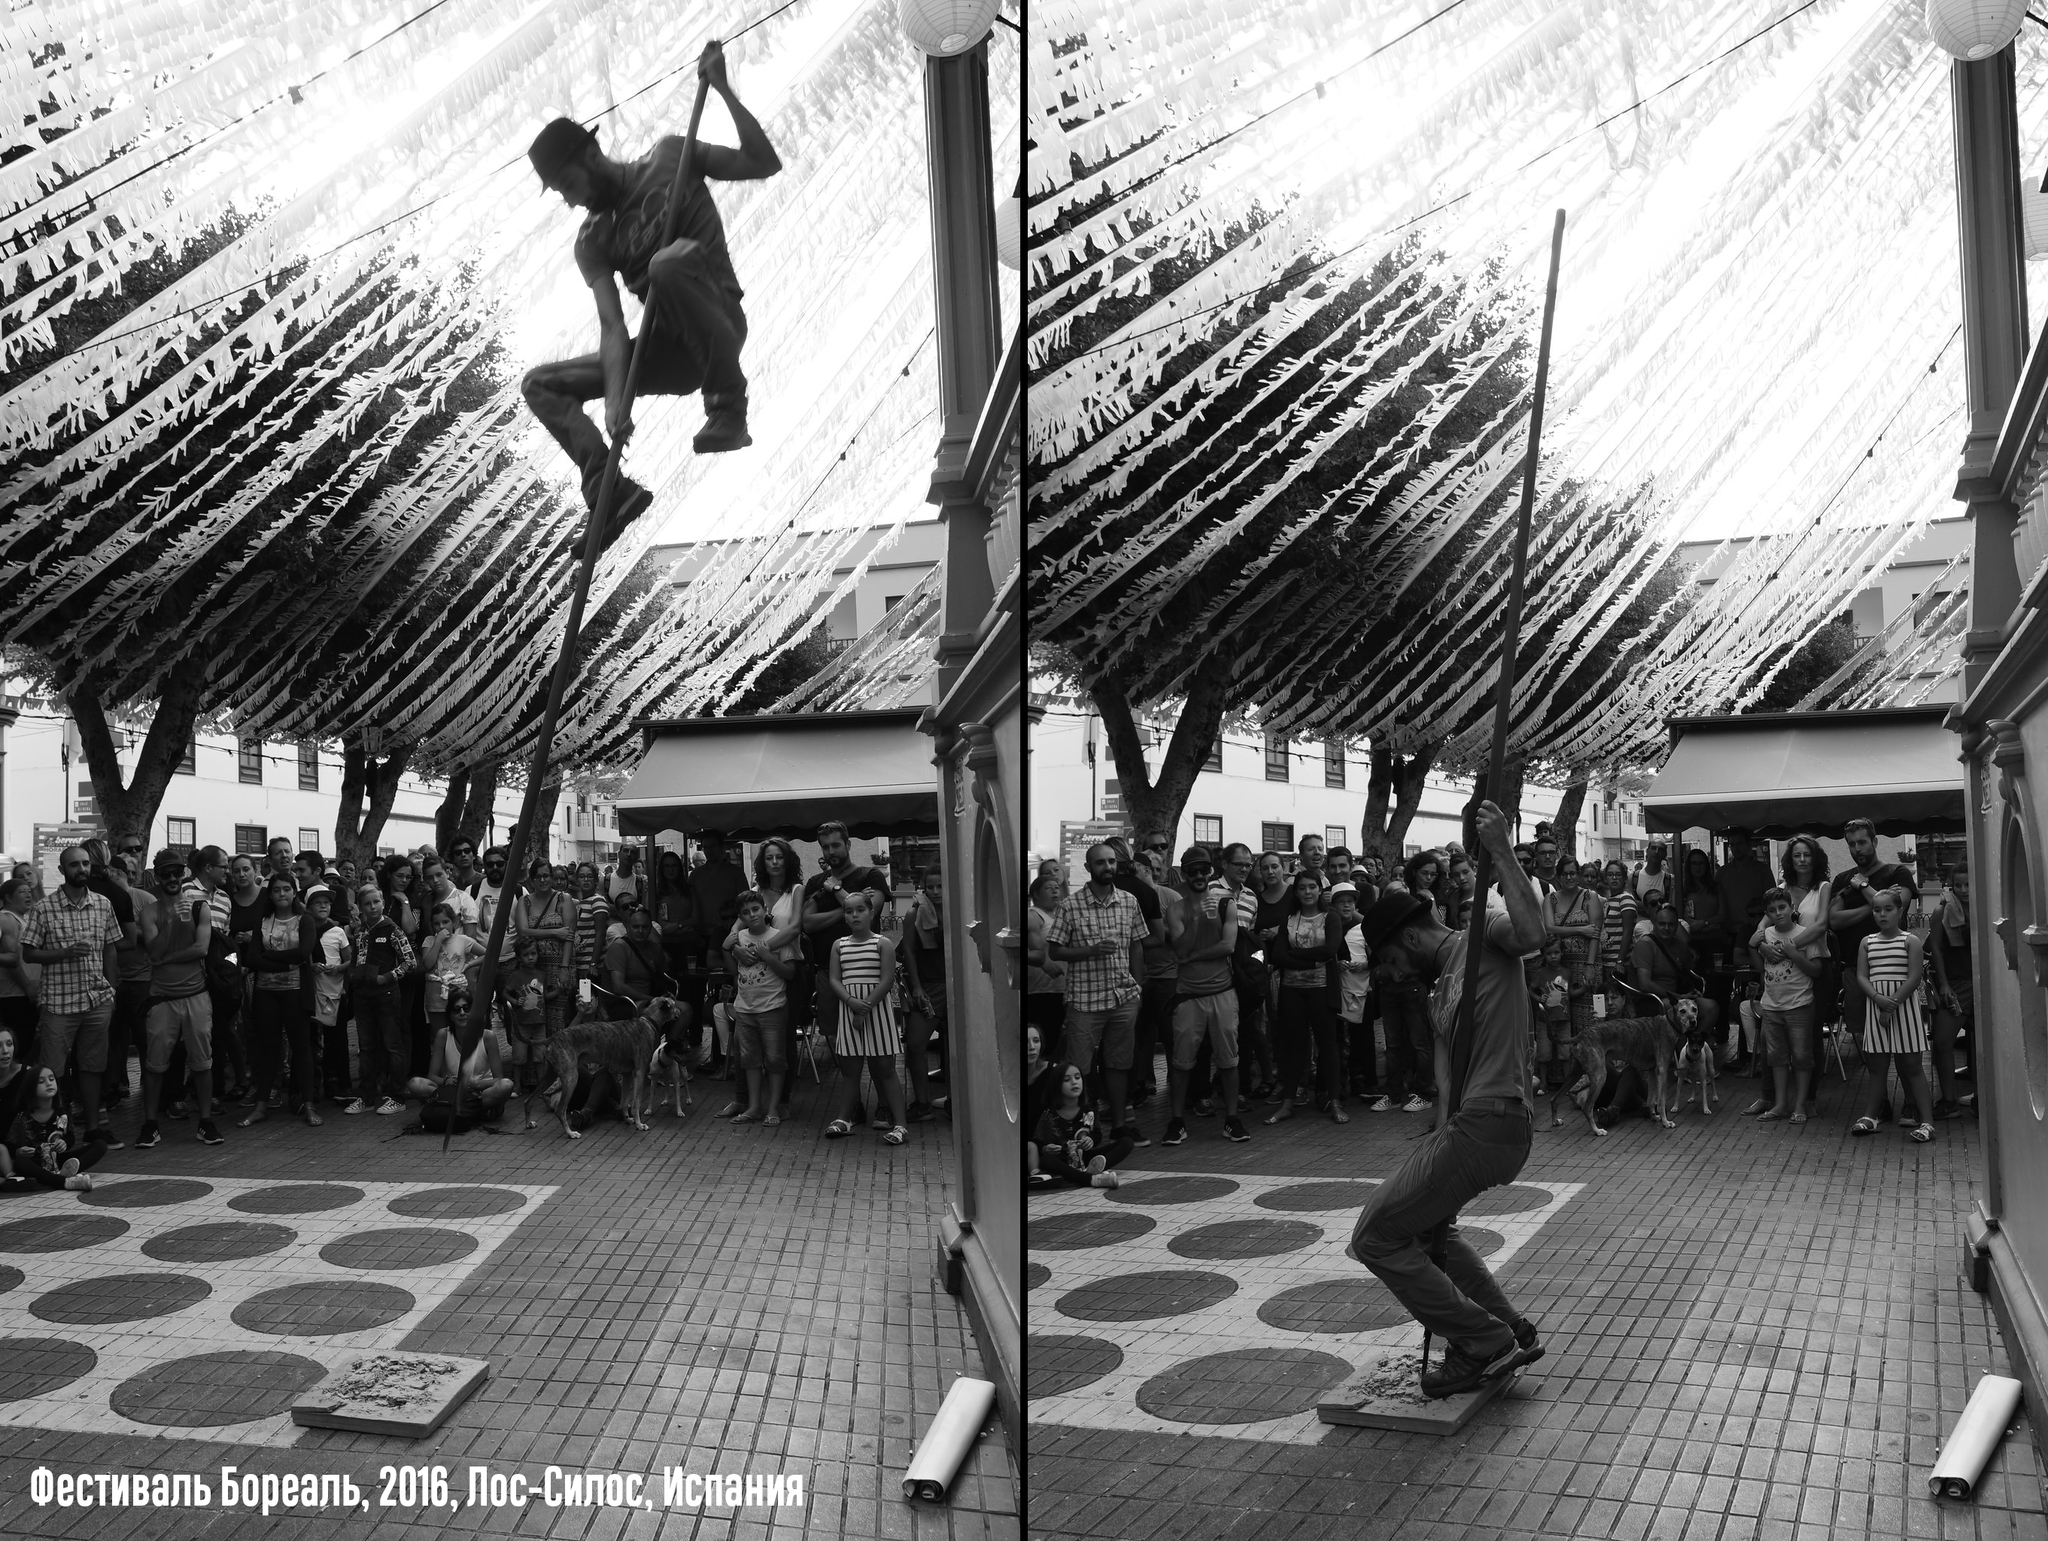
1399,781
1569,808
1509,796
1155,807
540,838
356,827
476,809
449,814
129,809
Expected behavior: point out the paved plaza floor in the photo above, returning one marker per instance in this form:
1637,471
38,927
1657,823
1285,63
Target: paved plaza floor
1755,1333
716,1299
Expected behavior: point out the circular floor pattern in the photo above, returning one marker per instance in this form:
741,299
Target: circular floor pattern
1141,1297
1035,1274
9,1277
145,1192
296,1199
1481,1240
1056,1362
1246,1385
60,1233
399,1247
1507,1201
219,1241
121,1297
1172,1190
1245,1238
1090,1228
38,1365
1335,1306
323,1308
213,1390
1311,1197
456,1203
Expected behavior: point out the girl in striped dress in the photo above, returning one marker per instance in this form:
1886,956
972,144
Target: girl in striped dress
863,969
1889,966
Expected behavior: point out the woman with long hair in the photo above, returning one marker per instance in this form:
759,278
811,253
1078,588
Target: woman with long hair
1045,996
674,911
546,918
405,901
278,954
1576,917
1617,925
1307,1024
779,880
1423,876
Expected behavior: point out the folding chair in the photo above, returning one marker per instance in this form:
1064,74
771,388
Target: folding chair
1832,1035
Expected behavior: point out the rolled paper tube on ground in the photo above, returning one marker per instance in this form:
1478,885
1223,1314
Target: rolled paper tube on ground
1978,1431
951,1436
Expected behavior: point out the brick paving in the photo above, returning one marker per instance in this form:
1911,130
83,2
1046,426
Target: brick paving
1755,1333
718,1298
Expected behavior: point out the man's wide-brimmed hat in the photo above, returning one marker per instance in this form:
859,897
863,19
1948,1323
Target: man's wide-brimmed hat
1389,913
557,145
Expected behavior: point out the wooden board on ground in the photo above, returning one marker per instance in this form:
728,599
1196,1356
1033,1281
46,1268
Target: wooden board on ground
1387,1396
392,1393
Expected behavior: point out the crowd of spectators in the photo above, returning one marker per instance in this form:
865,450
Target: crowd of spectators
244,988
1248,974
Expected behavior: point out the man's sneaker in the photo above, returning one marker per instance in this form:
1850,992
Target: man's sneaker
1526,1339
177,1112
725,425
389,1106
208,1135
356,1105
106,1137
1416,1105
1460,1371
149,1138
1233,1129
1944,1109
1176,1133
1132,1133
1204,1108
1383,1105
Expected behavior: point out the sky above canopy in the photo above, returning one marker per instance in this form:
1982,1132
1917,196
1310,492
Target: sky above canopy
368,139
1758,307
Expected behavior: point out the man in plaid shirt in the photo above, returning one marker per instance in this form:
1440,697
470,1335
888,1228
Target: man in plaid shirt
1099,933
73,934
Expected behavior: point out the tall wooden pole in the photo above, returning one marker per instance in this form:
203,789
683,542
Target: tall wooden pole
471,1031
1503,705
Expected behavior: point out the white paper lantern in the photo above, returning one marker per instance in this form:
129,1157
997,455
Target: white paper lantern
1975,29
947,27
1010,232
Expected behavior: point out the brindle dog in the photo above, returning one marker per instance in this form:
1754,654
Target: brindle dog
1648,1045
625,1049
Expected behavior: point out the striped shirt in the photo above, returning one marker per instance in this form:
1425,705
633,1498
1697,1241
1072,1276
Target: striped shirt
77,984
1099,984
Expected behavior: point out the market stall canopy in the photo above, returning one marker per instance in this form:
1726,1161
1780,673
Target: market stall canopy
1777,774
755,776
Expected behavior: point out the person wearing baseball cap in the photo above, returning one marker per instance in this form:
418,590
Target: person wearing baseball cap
1482,1141
690,295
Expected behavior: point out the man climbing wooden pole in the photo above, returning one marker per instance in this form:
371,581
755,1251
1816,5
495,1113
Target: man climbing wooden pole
1407,1235
690,266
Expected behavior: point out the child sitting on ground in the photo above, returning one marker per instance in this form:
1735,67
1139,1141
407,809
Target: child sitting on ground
47,1146
1070,1146
760,1013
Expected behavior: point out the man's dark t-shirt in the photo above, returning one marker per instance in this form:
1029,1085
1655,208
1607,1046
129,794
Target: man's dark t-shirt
715,890
820,942
114,894
1847,940
624,238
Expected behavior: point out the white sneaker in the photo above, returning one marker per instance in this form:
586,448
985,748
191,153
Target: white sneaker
389,1106
78,1182
1104,1180
1383,1105
358,1106
1416,1105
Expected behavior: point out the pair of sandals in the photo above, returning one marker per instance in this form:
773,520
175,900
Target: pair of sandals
736,1112
1919,1134
840,1128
